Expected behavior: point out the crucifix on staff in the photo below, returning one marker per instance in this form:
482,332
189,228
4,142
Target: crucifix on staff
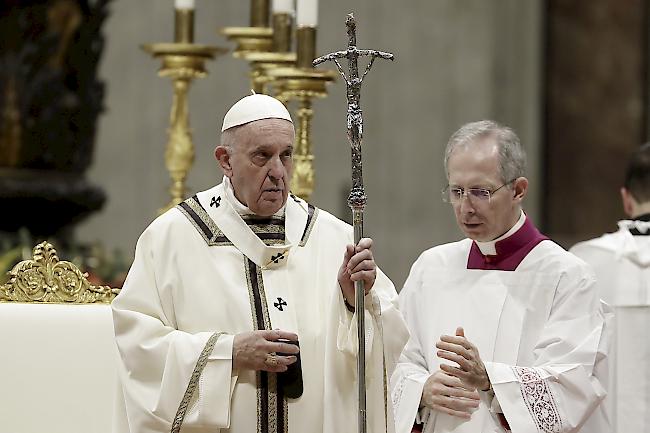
357,198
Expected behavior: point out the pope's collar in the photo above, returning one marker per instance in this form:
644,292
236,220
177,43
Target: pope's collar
489,248
232,225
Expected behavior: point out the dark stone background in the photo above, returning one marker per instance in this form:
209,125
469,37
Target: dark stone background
50,99
595,111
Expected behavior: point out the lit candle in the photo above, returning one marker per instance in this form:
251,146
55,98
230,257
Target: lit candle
282,7
184,4
307,13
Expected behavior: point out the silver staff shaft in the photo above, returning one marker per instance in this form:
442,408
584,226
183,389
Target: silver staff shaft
359,302
357,198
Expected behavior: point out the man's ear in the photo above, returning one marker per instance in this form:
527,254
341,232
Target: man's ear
222,155
629,204
520,188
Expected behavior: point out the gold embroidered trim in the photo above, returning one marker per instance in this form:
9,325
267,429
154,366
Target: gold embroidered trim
266,228
251,296
194,380
273,219
273,402
216,236
310,226
265,307
270,397
269,229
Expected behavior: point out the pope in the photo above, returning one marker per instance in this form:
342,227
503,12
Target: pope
234,287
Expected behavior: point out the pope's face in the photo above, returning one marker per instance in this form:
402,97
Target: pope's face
260,163
477,166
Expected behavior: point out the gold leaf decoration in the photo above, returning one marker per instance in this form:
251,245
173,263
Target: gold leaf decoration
46,279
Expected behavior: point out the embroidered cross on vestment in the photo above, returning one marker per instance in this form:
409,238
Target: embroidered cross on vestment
281,303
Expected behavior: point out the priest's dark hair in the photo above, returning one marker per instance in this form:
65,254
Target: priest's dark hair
637,175
512,157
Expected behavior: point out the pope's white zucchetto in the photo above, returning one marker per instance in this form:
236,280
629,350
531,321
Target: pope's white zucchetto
254,107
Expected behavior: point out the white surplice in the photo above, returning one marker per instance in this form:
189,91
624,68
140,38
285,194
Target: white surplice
200,269
622,265
540,330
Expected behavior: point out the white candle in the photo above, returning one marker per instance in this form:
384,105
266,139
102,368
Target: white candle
184,4
307,13
282,7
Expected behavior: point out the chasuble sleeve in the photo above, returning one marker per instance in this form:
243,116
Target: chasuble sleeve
157,360
567,380
384,322
386,331
386,334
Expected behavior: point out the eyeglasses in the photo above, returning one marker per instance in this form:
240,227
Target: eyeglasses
455,194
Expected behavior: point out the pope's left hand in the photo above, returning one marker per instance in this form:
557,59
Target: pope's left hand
358,264
460,350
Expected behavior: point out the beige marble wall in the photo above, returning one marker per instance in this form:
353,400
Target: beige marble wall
457,61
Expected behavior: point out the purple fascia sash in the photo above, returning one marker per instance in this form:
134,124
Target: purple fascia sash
510,251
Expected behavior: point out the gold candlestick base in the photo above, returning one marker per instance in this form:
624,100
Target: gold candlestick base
261,66
182,62
295,83
249,39
302,85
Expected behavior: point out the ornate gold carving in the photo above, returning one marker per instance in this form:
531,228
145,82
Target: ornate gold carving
45,279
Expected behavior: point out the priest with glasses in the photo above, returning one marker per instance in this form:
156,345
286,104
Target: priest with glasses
507,331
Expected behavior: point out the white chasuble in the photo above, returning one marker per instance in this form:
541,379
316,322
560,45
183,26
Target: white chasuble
203,273
621,261
539,329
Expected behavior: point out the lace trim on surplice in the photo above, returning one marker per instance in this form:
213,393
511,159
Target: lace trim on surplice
539,400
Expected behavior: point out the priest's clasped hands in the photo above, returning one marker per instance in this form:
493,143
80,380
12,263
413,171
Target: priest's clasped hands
268,350
453,389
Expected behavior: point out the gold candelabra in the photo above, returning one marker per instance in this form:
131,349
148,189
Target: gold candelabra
182,61
256,38
302,83
265,48
287,75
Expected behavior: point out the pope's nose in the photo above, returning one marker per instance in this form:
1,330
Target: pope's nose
276,169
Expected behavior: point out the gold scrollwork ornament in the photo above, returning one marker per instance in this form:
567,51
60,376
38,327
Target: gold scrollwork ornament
46,279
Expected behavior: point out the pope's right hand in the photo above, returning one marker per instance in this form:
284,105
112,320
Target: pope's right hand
447,394
257,350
